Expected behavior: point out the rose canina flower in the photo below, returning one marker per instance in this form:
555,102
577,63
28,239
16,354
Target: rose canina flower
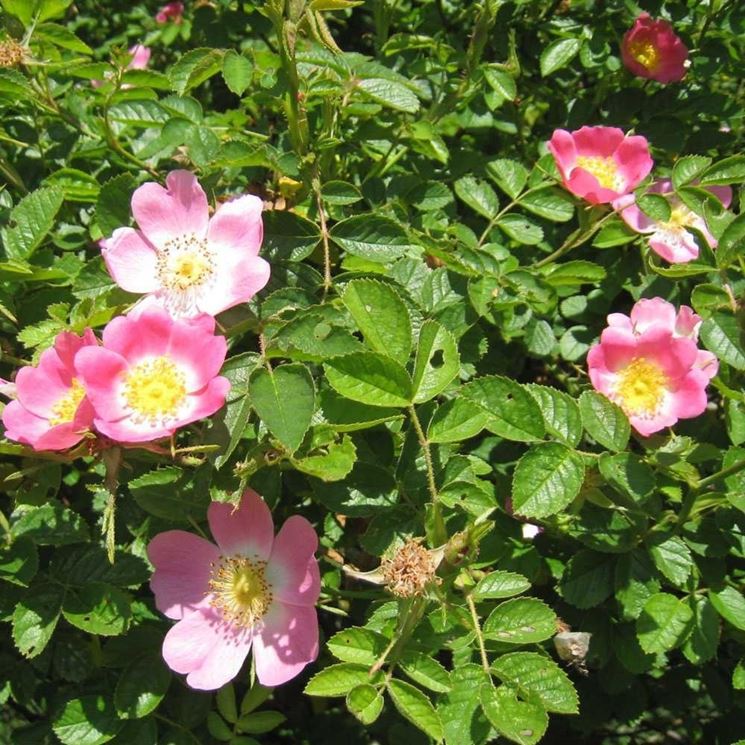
153,374
649,364
251,590
188,262
600,164
170,12
51,411
671,239
651,49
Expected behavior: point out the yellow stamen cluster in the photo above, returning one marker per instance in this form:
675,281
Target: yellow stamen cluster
604,169
409,570
185,262
11,53
641,387
680,218
240,590
154,390
645,53
64,410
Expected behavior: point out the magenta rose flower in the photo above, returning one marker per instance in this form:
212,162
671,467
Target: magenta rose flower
250,591
650,365
153,374
672,239
50,410
170,12
186,261
600,164
651,49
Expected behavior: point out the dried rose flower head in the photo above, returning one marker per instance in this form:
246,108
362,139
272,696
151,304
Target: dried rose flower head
411,568
12,53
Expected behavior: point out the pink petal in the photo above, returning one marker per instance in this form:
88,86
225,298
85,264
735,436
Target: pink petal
235,283
707,363
140,57
675,246
183,567
128,431
585,185
722,193
181,209
247,530
652,311
204,403
634,160
292,569
146,334
620,321
619,347
131,261
67,345
647,426
689,398
237,224
27,428
286,644
204,646
200,354
687,323
598,141
563,149
40,388
635,218
101,371
673,355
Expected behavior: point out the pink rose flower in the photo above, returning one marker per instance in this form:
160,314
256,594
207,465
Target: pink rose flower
188,262
51,411
170,11
140,57
671,239
251,589
600,164
153,375
649,364
651,49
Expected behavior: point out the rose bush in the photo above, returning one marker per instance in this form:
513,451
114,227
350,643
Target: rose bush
451,293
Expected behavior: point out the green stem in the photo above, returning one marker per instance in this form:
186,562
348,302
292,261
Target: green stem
424,444
324,237
572,241
479,635
690,499
410,613
112,459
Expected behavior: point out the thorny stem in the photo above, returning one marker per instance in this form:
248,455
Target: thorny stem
112,459
324,238
572,241
424,443
690,499
479,635
410,613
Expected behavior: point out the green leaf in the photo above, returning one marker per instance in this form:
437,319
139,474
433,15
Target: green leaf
285,400
61,37
76,185
701,645
509,175
179,502
416,707
587,579
521,229
370,378
437,361
237,72
19,561
347,416
518,721
560,413
732,243
193,68
550,203
689,168
30,221
372,237
332,465
85,564
604,421
259,722
288,237
500,584
655,206
217,727
456,420
726,171
35,618
513,413
338,680
425,670
390,93
88,720
730,605
628,473
520,621
547,479
14,85
673,558
51,8
501,82
340,193
365,703
738,676
558,54
722,335
141,687
21,9
98,608
51,524
226,703
460,709
478,195
539,680
357,644
663,624
334,4
381,316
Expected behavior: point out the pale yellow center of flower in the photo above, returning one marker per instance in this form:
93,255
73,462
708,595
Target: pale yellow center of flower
155,390
680,218
185,262
64,410
240,591
645,53
605,170
641,388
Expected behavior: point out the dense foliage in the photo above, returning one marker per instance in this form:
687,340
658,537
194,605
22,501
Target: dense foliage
415,368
